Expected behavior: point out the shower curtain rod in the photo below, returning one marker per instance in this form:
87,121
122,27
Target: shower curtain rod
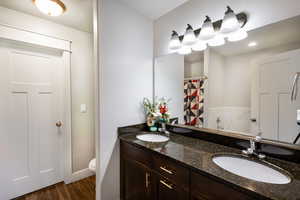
197,77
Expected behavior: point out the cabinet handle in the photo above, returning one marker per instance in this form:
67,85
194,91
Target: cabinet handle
166,170
166,184
147,179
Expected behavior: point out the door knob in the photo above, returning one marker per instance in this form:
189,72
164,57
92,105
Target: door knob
58,124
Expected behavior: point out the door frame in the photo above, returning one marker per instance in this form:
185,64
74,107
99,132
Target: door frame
34,39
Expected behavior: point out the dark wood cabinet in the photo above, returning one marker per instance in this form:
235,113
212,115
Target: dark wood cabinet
146,175
138,183
204,188
167,190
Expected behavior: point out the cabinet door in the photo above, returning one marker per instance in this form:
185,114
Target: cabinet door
137,181
166,190
198,198
204,188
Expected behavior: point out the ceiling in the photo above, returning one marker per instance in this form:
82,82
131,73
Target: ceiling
79,14
154,9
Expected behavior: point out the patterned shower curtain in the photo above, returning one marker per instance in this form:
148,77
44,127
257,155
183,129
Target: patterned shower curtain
193,102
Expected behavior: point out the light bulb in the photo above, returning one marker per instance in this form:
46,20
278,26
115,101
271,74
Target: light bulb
238,35
50,7
199,46
189,37
184,50
207,31
252,44
230,22
175,43
218,40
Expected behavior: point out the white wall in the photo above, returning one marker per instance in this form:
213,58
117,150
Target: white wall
226,101
237,81
169,79
193,69
215,79
81,75
126,76
261,12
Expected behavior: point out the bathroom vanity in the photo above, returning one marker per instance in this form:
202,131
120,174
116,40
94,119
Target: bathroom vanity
183,169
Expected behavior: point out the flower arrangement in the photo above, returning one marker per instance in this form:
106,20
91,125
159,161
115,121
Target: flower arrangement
164,110
156,111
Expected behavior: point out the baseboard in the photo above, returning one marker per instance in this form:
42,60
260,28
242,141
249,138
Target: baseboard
76,176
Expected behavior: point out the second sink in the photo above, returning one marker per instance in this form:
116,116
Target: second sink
251,169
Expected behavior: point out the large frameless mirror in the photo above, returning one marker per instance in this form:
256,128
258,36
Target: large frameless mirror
247,87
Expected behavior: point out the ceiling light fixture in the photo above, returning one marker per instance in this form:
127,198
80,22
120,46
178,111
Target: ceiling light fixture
252,44
189,37
50,7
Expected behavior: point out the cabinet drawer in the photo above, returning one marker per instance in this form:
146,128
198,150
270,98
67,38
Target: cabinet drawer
167,190
130,152
207,189
171,170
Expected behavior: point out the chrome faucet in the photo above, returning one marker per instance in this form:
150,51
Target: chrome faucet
253,148
163,129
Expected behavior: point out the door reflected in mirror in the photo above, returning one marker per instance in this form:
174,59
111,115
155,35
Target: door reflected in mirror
242,87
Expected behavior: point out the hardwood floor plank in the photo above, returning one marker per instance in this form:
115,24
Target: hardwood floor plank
80,190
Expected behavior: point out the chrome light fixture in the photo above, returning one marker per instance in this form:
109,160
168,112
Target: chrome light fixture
50,7
230,22
175,43
207,31
189,37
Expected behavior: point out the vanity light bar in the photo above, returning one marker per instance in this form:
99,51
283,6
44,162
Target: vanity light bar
242,18
211,33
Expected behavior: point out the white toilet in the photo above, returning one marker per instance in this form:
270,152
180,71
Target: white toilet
92,165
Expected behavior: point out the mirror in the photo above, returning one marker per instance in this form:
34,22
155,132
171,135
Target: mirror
241,87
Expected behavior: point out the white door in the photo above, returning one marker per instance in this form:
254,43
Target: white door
31,86
277,115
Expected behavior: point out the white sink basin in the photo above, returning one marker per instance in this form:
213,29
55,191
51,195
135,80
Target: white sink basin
149,137
251,169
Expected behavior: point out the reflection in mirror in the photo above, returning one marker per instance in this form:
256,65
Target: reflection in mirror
243,87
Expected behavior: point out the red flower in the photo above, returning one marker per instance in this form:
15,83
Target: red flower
163,109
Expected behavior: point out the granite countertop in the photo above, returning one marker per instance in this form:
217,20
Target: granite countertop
198,154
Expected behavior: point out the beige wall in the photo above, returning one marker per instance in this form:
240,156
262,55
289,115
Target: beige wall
81,75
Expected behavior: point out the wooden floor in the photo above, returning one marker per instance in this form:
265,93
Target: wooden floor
81,190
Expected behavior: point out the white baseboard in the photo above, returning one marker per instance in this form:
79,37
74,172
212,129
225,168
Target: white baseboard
76,176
